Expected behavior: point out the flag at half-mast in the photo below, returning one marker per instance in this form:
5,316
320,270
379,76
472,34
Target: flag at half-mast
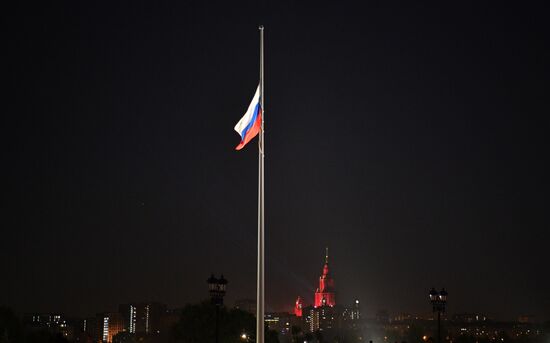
251,123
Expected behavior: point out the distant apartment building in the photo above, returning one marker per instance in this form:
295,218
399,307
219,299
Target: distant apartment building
142,318
108,325
90,326
470,318
47,320
280,322
51,322
323,318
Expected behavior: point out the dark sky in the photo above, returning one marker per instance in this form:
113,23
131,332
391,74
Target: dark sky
411,139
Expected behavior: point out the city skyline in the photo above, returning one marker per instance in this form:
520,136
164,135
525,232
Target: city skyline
410,139
316,300
155,322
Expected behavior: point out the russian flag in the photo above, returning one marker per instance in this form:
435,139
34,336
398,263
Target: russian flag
250,124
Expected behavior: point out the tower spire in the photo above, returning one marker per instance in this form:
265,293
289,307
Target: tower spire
324,296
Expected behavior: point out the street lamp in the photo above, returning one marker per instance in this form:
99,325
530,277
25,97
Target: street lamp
216,288
438,300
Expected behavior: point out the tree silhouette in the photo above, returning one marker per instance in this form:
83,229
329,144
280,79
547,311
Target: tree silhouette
11,330
295,331
318,336
44,336
197,325
414,334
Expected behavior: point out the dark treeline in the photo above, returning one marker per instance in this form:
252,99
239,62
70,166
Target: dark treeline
196,324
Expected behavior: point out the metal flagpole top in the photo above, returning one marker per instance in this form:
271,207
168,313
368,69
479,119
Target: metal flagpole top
261,27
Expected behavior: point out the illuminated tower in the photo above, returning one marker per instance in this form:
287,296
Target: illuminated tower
298,307
324,296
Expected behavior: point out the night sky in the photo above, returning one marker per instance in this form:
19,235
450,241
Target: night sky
410,139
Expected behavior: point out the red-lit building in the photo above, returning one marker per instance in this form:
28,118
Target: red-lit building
298,307
324,296
324,314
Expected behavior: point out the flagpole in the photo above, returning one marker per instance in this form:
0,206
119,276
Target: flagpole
260,274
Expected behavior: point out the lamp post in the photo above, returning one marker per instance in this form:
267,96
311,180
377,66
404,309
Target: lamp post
438,299
216,288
